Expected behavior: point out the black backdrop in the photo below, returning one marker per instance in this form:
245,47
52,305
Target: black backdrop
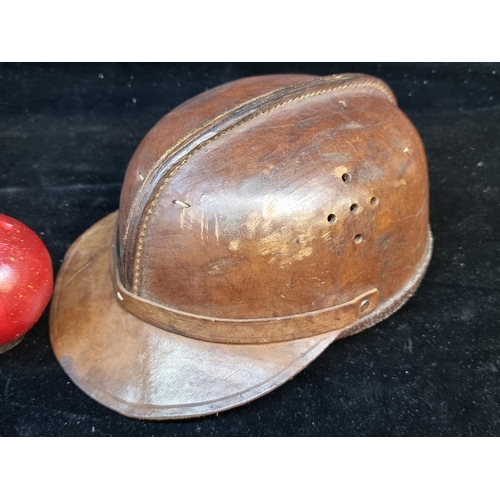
66,135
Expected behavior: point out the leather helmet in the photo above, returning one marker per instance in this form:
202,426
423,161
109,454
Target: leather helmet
258,222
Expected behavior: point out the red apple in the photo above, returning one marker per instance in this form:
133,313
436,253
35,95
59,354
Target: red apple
26,280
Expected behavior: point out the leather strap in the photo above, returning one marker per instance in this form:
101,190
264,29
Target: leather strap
241,331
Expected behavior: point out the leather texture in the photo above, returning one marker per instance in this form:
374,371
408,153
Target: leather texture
258,222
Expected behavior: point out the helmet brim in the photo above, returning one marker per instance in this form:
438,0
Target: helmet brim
142,371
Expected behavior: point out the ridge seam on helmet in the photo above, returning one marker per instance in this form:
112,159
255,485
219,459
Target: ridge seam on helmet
342,77
369,83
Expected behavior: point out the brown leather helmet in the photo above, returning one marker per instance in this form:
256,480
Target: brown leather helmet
258,222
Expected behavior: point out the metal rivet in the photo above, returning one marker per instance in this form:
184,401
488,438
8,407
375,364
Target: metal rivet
181,204
364,305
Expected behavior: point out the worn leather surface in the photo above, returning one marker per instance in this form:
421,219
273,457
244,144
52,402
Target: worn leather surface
262,215
67,135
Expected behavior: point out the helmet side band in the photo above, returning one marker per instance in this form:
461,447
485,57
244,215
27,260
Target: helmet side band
260,330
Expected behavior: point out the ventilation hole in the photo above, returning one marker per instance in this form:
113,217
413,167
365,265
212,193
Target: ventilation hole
374,202
332,218
358,238
346,178
355,208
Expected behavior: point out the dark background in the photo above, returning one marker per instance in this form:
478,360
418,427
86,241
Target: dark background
67,132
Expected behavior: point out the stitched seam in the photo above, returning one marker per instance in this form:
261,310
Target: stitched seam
219,117
336,78
137,258
188,136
